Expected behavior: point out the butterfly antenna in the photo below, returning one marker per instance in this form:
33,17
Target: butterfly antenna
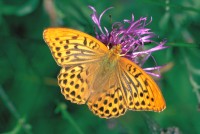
110,16
158,69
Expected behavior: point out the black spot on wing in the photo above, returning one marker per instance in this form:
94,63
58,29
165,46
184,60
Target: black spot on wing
85,41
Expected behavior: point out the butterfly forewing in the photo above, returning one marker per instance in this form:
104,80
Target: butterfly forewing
72,47
141,92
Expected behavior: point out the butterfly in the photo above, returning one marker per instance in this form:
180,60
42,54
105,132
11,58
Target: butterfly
102,78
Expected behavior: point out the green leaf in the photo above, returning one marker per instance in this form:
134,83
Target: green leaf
18,8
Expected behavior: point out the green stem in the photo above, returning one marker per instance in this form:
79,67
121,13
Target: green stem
62,108
21,121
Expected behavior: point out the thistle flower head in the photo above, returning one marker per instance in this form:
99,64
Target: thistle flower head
132,35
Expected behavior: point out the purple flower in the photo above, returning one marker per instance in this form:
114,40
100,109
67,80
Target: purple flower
132,35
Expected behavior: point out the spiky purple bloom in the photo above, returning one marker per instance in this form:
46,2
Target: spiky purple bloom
132,35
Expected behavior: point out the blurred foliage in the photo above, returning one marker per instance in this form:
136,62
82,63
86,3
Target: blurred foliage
30,100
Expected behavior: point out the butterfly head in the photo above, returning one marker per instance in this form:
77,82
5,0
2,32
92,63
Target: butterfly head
116,50
114,53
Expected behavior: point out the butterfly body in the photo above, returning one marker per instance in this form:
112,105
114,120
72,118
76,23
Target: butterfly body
101,78
106,67
110,61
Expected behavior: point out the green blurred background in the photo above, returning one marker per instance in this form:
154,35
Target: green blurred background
30,99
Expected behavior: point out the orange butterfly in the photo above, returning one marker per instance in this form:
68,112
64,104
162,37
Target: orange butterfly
91,73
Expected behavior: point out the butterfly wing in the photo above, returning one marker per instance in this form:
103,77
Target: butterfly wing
140,90
75,82
78,54
127,87
110,102
72,47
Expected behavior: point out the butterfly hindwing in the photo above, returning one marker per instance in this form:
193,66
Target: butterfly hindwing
75,82
109,103
71,47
